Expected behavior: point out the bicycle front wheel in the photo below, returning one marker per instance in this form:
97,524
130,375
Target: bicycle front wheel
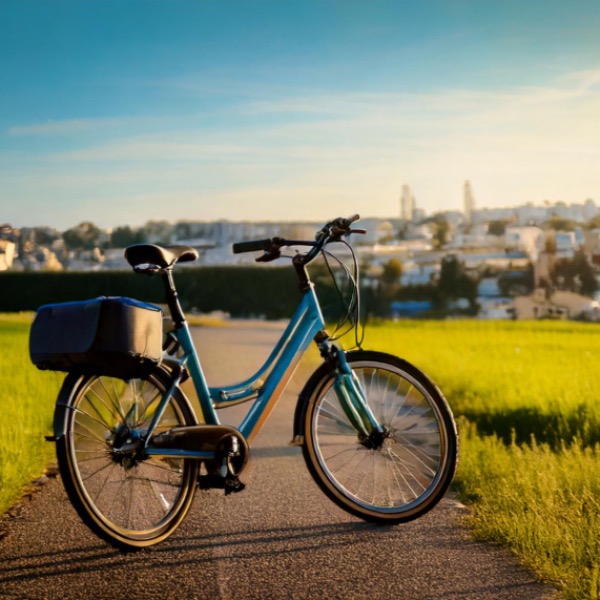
129,499
408,471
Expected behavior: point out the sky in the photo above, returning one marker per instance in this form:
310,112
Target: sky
124,111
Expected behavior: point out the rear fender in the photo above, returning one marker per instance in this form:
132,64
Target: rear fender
70,386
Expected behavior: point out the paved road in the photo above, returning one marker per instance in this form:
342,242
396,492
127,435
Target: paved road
280,538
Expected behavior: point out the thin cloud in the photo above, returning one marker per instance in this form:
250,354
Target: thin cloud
66,127
74,127
522,144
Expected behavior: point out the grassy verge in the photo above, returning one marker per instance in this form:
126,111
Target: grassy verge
26,405
542,503
525,395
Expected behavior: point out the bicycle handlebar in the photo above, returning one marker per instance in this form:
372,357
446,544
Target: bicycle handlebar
331,232
253,246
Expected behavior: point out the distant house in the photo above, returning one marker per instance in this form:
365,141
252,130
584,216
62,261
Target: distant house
7,254
530,240
566,244
556,305
419,274
492,304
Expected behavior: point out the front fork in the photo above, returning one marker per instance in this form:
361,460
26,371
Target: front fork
354,403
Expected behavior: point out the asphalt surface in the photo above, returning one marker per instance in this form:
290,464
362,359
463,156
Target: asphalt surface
279,538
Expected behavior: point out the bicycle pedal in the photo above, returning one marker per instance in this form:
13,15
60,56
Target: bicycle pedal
212,481
233,485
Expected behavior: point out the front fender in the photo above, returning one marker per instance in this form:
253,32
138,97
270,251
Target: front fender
317,379
314,384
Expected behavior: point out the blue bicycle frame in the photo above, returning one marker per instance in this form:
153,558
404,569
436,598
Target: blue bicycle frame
306,322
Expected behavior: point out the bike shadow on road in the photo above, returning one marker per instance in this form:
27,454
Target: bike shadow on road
102,557
229,546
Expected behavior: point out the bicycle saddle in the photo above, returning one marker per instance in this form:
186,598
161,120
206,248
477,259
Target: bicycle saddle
150,254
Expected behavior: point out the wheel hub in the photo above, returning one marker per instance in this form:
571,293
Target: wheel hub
375,439
125,449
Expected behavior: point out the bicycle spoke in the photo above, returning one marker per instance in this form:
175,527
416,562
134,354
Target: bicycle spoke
133,498
99,470
395,466
158,494
93,438
96,437
392,477
113,405
86,414
114,397
97,456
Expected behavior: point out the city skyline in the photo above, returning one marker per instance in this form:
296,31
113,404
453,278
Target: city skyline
409,213
119,113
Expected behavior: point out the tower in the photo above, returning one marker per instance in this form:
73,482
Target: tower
469,203
407,204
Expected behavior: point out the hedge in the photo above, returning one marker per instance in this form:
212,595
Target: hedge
241,291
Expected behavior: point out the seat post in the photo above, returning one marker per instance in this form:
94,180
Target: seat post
172,298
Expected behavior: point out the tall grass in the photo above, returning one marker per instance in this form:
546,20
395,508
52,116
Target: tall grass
27,399
529,421
538,378
542,503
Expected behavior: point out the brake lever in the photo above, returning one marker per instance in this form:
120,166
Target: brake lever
338,232
269,255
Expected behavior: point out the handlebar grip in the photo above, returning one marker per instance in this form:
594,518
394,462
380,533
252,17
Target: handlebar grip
252,246
353,218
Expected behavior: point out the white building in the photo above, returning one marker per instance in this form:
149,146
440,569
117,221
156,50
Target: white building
7,254
525,239
566,244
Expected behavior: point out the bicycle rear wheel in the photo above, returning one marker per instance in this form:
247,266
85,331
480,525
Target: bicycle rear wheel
408,472
129,499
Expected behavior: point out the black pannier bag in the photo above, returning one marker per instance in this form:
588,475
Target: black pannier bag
105,336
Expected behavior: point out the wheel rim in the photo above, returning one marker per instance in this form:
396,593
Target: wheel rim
132,495
404,470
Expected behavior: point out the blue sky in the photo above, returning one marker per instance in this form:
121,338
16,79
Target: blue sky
122,111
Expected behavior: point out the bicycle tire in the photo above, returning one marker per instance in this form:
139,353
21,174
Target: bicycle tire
134,504
411,470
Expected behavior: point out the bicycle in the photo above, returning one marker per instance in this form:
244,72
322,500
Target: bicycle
377,435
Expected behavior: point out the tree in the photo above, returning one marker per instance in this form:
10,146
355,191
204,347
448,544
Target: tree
44,236
454,283
593,223
561,224
575,274
392,271
517,282
85,236
440,228
497,228
158,232
387,289
121,237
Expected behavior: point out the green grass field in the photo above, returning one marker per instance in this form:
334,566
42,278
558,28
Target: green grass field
524,395
26,408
